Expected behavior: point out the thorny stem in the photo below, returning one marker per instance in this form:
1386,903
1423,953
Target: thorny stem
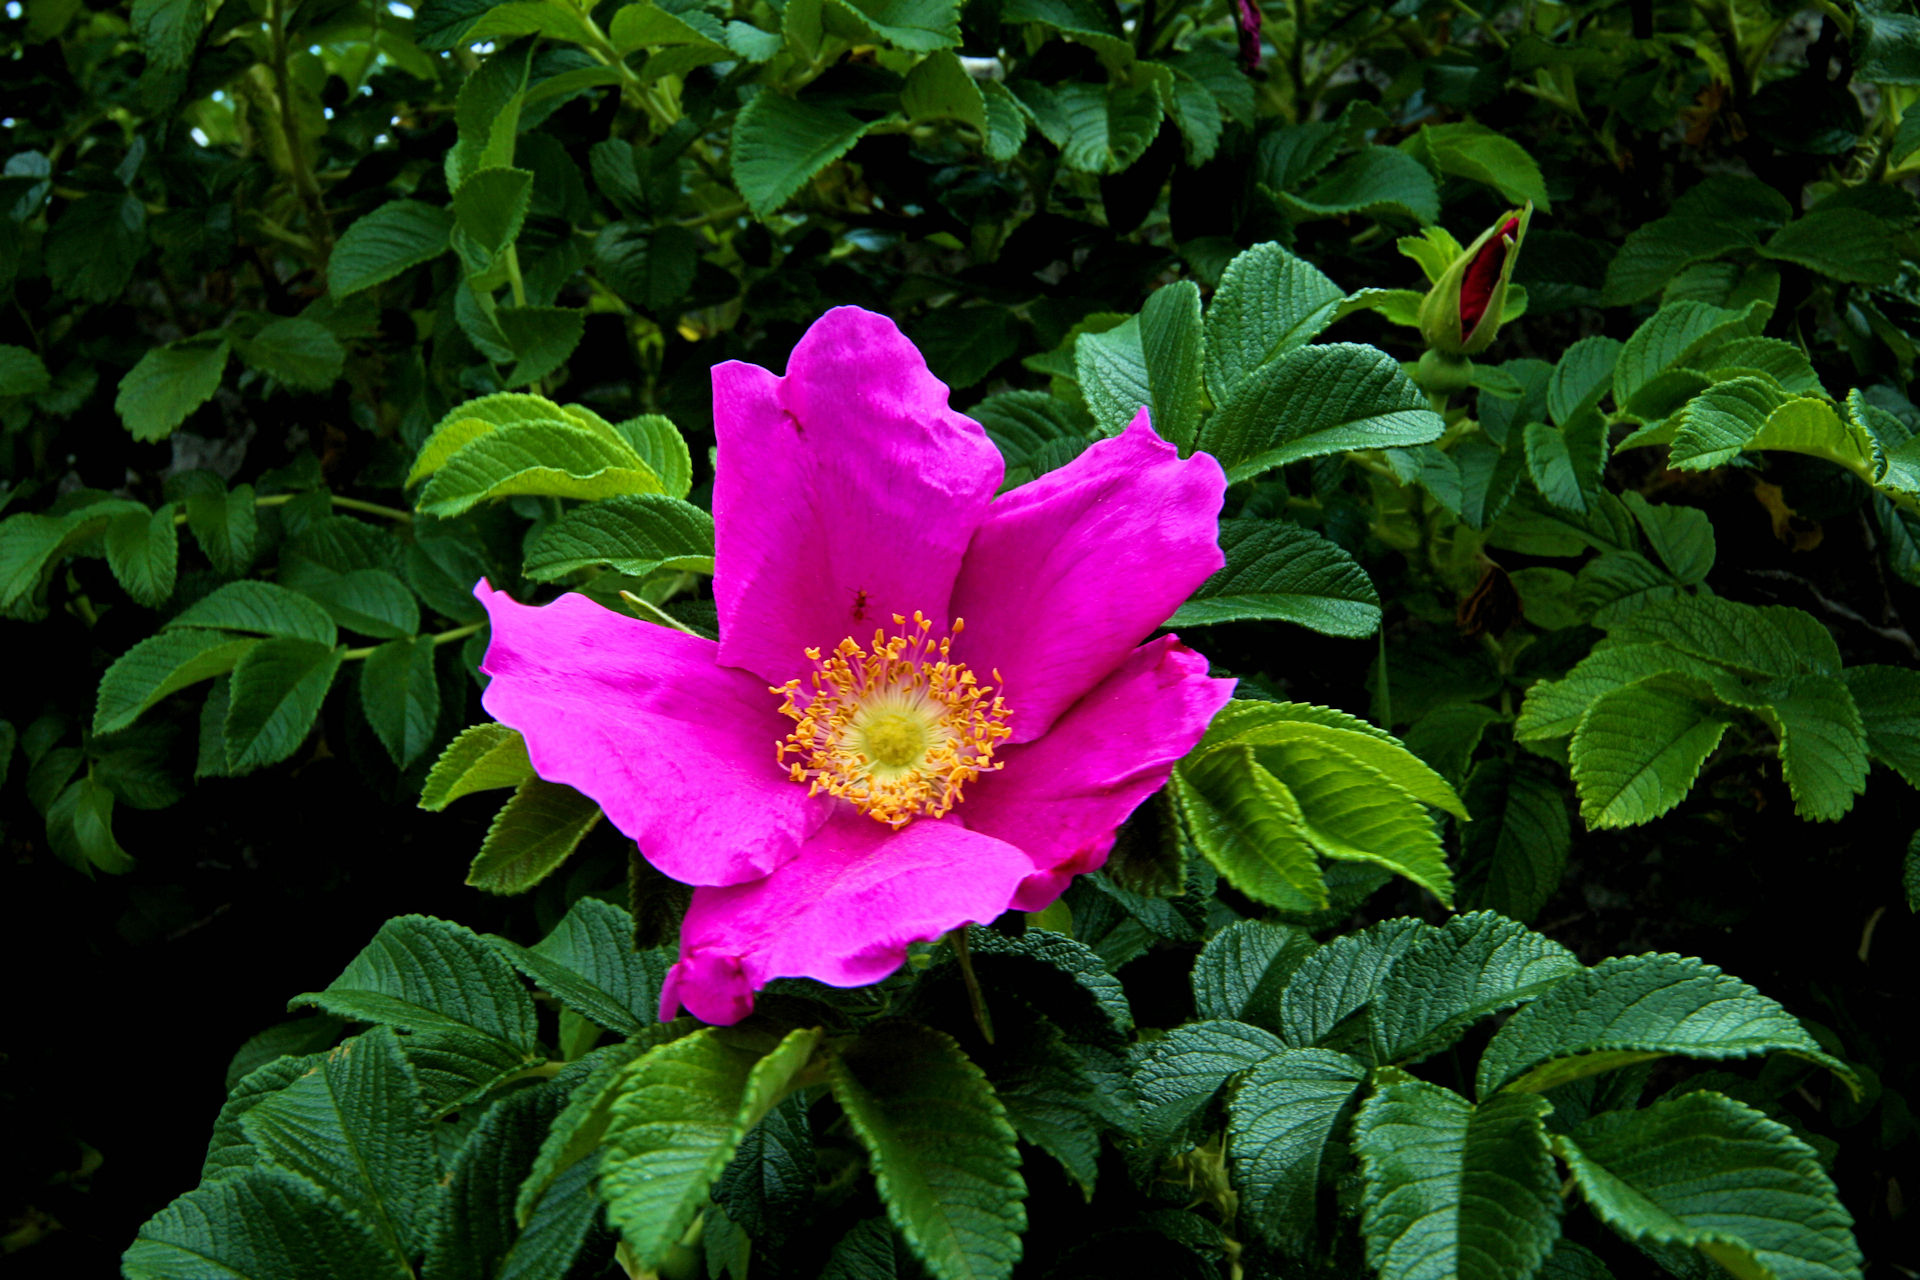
964,954
439,638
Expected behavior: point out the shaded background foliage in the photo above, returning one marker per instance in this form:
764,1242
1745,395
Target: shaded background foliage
242,288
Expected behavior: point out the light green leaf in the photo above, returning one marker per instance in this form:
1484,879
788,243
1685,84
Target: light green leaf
1473,967
259,1223
1638,749
1269,302
1279,571
939,1145
168,384
1702,1171
356,1126
1255,723
301,353
1772,641
260,607
1823,743
1634,1008
1281,1114
483,758
1453,1189
540,825
422,975
1675,335
278,686
1477,153
1315,401
144,553
1250,828
678,1115
1888,699
637,534
780,144
467,422
545,458
160,665
400,695
382,244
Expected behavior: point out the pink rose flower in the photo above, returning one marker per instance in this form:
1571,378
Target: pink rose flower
928,704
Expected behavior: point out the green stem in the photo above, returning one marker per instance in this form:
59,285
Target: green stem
964,955
659,615
439,638
518,285
345,504
303,180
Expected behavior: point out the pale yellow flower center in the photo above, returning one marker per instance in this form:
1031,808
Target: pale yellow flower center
897,729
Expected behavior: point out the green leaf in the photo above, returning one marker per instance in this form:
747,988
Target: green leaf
1635,1008
1269,303
144,553
1342,978
168,384
547,459
401,697
1550,463
918,26
540,825
382,244
780,144
1840,244
1638,749
1281,1114
1250,828
1375,181
1180,1073
1078,20
1516,849
1243,968
1681,536
1053,1098
229,1150
1098,128
1702,1171
1112,368
589,964
260,607
573,1139
1472,967
80,828
423,975
169,30
651,267
1048,966
1581,377
939,88
21,372
465,423
483,758
1279,571
1771,642
1006,122
1170,336
1715,425
1652,255
1675,335
1888,699
1823,742
1783,362
278,686
259,1223
680,1112
1315,401
372,602
356,1127
1258,723
91,252
541,339
1453,1189
1196,113
302,354
1477,153
224,525
638,534
161,665
940,1147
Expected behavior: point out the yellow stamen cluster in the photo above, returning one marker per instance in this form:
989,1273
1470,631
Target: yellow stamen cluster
897,730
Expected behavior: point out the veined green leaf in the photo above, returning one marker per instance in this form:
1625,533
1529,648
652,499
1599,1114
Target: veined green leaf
637,534
483,758
1638,749
1342,978
1282,1113
1243,968
1472,967
589,964
1174,347
780,144
278,686
259,607
1702,1171
298,352
536,830
543,458
1281,571
1249,827
224,525
382,244
1182,1072
144,553
1269,302
1516,849
1889,702
679,1114
1453,1189
260,1222
169,383
160,665
1634,1008
400,694
940,1148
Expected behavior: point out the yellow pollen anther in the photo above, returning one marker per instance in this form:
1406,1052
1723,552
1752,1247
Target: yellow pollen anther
897,729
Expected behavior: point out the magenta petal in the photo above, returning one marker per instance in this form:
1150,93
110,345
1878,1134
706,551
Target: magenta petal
1062,798
843,912
678,750
845,493
1070,572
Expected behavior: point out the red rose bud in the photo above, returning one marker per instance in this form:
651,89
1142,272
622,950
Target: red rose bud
1483,275
1462,311
1249,34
